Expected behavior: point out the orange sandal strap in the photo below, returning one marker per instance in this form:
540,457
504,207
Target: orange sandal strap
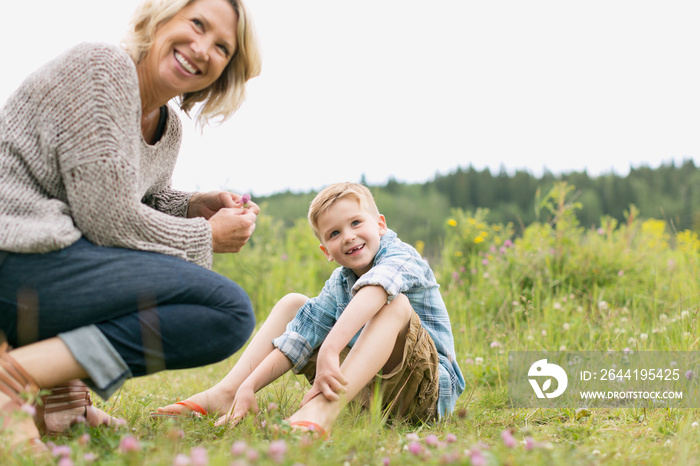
312,427
193,406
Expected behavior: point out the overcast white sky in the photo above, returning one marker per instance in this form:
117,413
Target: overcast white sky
408,89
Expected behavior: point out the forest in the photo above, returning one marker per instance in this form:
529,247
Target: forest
670,192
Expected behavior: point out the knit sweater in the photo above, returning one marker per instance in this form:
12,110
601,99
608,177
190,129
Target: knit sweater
73,163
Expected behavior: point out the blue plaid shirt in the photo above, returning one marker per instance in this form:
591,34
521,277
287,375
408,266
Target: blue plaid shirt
398,268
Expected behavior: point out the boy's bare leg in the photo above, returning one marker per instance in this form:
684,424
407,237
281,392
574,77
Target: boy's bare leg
218,399
374,351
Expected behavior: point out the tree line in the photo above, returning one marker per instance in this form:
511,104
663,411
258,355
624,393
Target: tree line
418,211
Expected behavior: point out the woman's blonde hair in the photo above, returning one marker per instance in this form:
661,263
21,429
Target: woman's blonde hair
226,94
325,199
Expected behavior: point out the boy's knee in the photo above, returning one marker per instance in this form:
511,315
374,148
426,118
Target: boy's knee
288,306
294,300
400,308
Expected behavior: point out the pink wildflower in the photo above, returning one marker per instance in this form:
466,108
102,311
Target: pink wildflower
451,438
199,457
238,448
412,437
29,409
507,243
277,450
128,444
431,440
181,460
61,450
689,374
415,448
477,458
84,439
245,199
508,438
529,443
495,344
386,461
65,461
253,455
89,457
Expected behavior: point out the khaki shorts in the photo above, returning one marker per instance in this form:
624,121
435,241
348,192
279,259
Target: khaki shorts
410,391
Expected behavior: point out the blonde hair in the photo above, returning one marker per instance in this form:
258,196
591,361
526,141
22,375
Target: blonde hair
325,199
226,94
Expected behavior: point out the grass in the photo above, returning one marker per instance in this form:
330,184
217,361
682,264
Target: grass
557,286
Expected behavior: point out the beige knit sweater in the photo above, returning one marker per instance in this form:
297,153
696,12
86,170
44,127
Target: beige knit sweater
73,163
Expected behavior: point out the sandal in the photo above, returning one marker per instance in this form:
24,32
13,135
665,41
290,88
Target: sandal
16,383
316,430
195,410
72,396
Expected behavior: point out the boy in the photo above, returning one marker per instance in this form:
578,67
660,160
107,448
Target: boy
379,315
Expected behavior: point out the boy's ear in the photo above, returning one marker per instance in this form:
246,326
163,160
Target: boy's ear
325,252
382,225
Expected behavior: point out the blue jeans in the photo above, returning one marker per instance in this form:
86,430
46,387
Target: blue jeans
122,312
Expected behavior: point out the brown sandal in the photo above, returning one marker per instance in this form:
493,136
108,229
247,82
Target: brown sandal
16,382
75,394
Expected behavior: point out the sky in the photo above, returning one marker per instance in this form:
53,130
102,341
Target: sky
406,90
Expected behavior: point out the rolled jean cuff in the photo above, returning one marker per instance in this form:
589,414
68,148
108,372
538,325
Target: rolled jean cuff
106,369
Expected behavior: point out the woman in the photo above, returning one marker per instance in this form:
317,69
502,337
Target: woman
103,267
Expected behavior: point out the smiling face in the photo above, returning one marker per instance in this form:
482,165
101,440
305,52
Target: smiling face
350,235
190,51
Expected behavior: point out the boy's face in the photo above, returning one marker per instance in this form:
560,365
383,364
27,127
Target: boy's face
350,235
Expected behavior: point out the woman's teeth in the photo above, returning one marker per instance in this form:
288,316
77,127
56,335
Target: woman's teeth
185,64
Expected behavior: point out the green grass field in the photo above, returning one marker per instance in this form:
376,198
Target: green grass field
557,286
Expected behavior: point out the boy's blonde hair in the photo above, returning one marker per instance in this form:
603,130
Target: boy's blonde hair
325,199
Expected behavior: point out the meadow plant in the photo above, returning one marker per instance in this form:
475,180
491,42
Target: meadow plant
628,286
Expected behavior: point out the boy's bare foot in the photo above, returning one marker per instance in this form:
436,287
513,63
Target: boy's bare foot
318,411
212,401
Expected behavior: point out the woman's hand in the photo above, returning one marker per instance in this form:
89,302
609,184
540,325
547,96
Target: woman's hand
207,204
231,227
329,380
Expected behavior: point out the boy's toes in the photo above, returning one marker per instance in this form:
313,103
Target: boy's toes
181,408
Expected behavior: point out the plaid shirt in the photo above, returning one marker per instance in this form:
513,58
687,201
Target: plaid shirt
398,268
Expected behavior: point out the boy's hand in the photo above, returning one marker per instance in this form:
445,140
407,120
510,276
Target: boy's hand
243,403
329,380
